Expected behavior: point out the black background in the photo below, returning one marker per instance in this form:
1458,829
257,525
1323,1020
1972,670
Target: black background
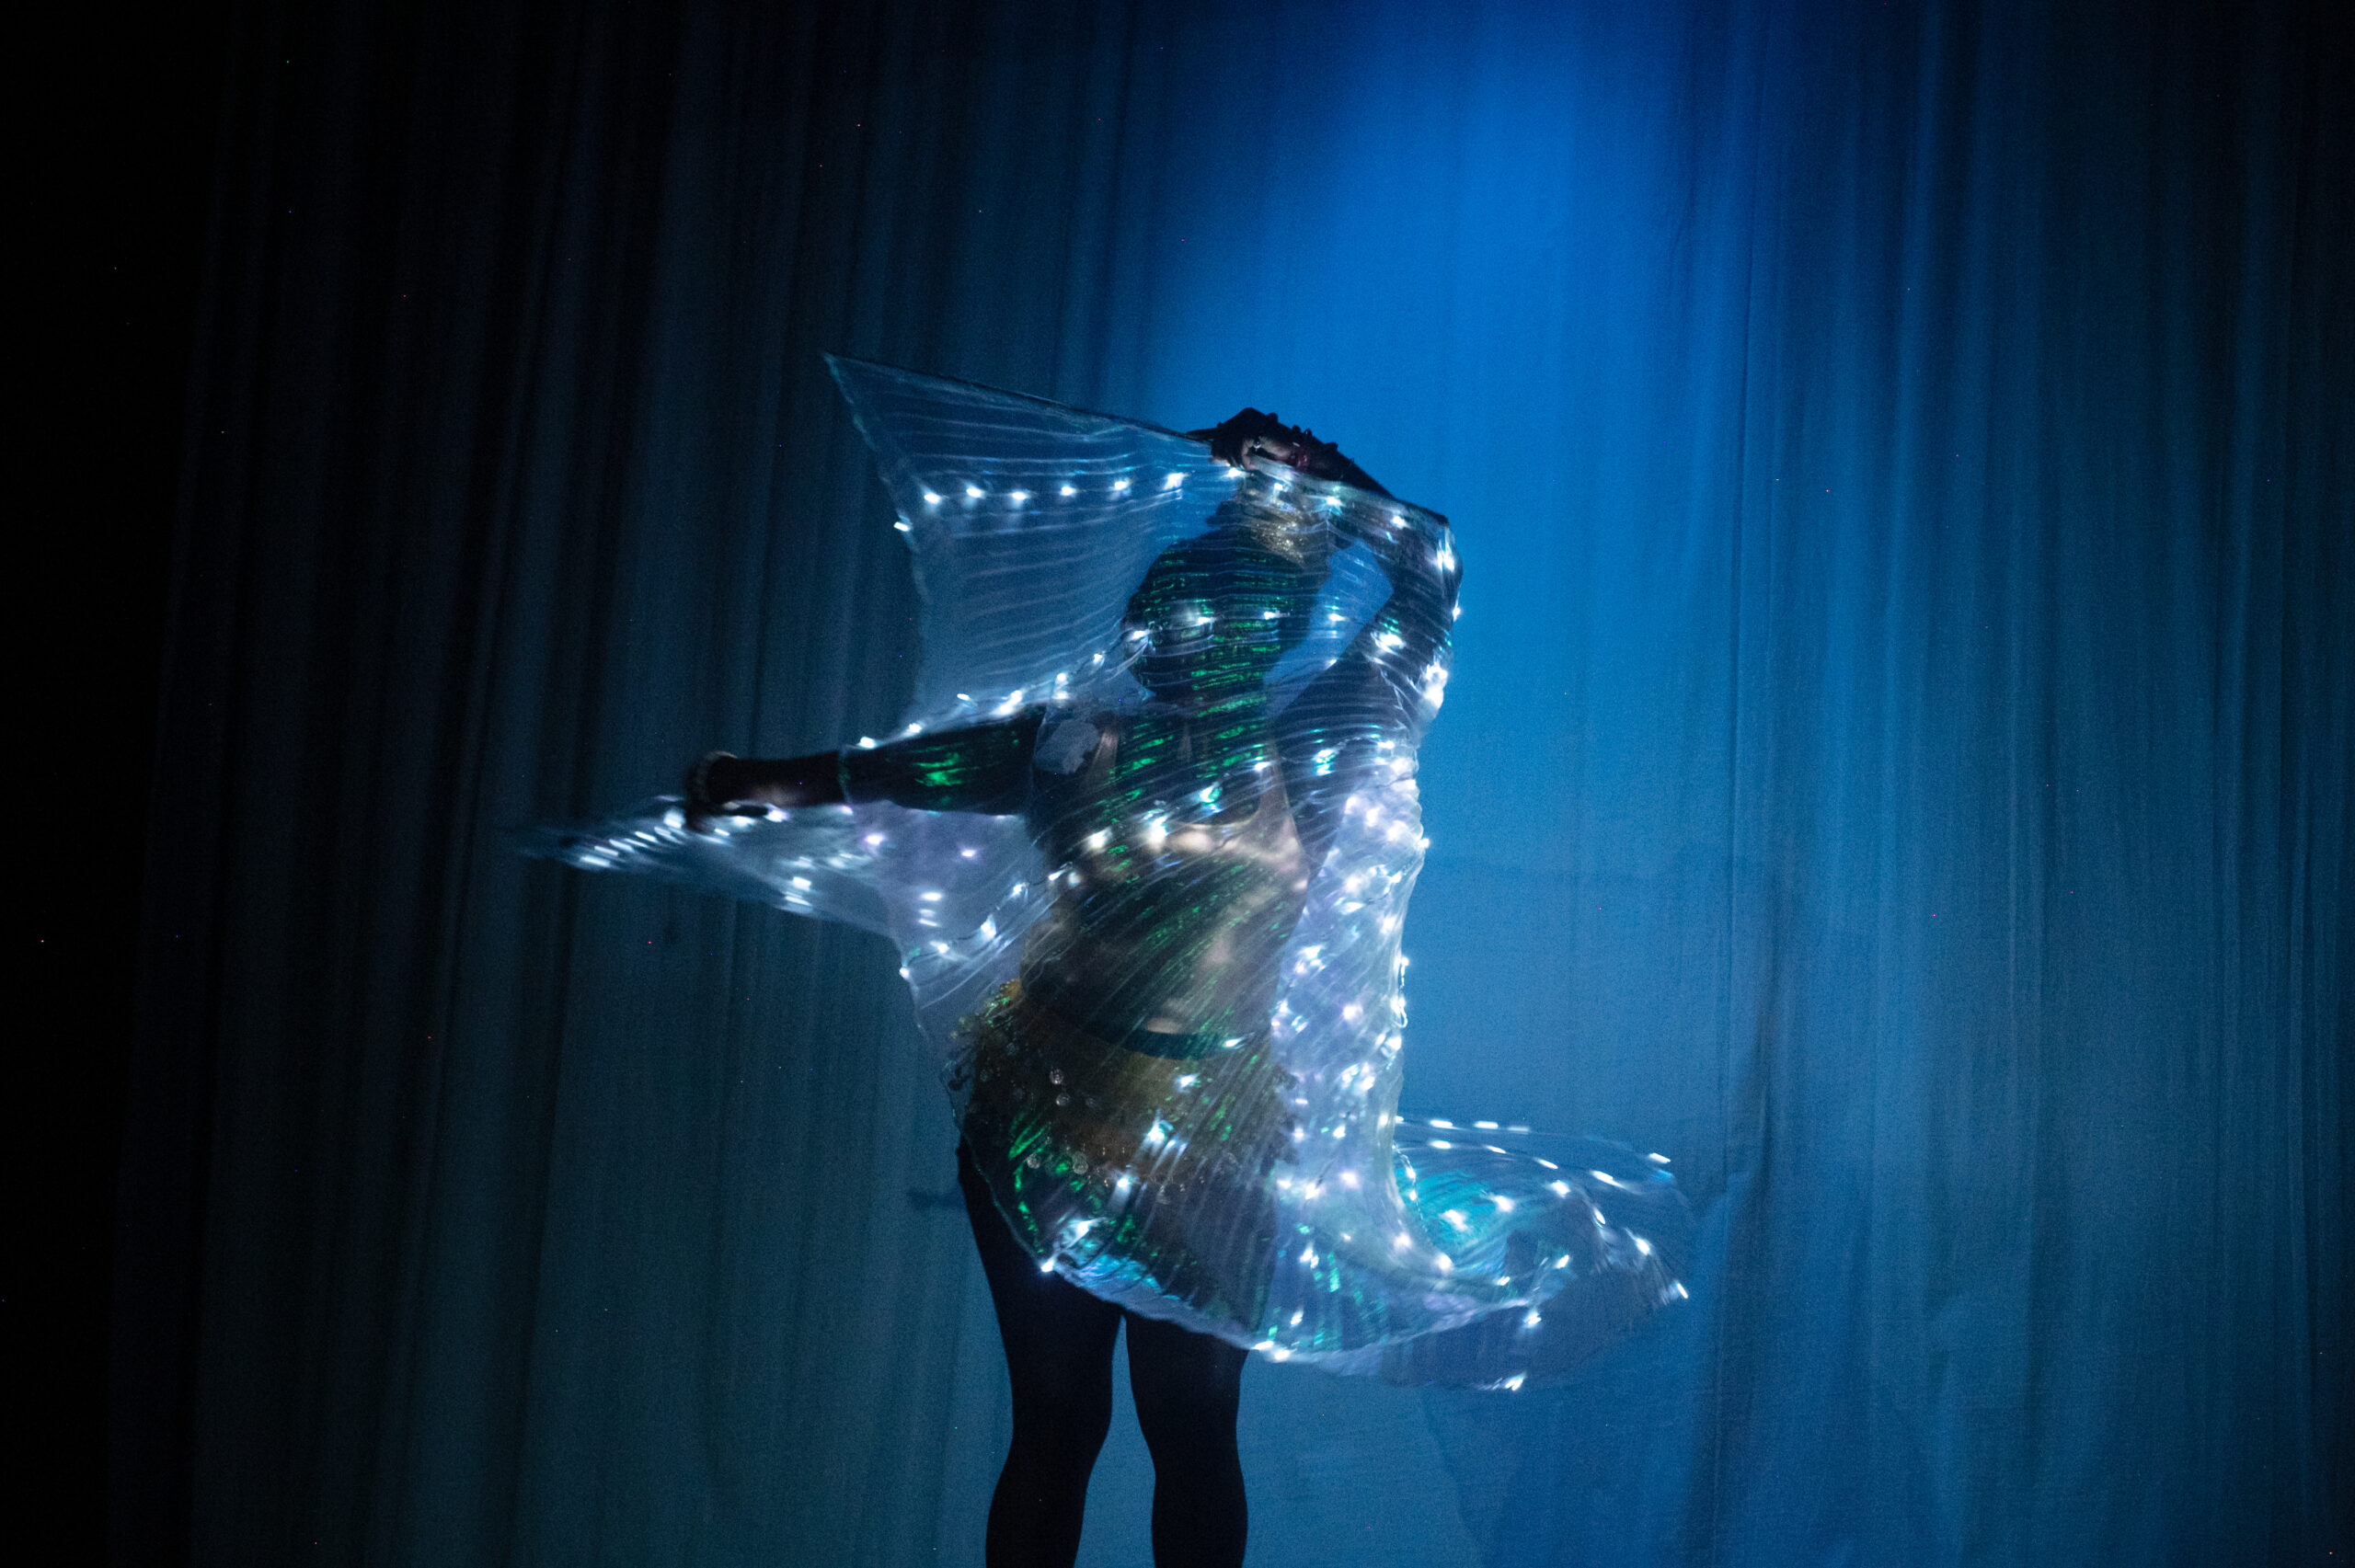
116,154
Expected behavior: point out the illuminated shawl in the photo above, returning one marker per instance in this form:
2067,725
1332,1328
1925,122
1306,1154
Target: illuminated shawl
1258,1182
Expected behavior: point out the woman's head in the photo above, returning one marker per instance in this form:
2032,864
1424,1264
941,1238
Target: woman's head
1217,613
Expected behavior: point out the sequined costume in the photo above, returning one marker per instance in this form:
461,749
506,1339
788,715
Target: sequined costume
1145,842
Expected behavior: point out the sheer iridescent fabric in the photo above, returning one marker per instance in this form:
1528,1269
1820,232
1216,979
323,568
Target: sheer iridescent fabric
1145,840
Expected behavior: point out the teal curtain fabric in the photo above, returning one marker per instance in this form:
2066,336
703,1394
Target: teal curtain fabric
1897,763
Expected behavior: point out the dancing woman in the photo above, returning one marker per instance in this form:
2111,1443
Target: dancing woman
1144,845
1182,838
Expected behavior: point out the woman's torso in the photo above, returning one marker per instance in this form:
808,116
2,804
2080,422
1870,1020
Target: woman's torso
1178,872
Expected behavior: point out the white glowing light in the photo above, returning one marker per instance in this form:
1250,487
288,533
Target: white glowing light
1069,491
931,499
975,491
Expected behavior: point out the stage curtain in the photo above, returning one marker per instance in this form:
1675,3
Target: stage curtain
1897,763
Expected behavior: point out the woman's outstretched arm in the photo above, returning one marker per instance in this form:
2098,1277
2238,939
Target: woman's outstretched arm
981,767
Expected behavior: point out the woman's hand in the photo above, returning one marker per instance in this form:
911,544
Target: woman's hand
1248,433
703,805
721,784
1253,434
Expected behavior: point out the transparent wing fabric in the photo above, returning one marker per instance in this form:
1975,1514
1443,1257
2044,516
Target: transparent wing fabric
1145,840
